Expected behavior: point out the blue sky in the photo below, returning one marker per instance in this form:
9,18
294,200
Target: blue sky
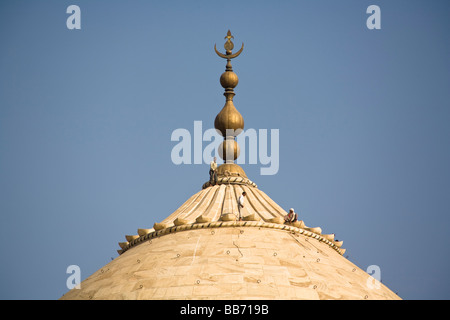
86,118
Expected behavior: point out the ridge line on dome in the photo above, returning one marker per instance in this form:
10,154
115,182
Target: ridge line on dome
272,204
256,202
213,200
201,198
183,207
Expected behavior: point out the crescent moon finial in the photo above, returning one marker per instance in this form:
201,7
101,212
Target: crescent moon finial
229,46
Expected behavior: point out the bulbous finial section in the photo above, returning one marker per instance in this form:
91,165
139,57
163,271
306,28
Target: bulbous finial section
229,122
229,80
229,150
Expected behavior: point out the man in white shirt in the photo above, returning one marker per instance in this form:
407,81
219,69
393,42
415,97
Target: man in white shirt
213,172
241,204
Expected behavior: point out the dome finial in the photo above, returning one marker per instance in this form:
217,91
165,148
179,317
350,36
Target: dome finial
229,122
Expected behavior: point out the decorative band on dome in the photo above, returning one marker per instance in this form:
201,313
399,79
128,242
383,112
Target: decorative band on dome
224,224
231,180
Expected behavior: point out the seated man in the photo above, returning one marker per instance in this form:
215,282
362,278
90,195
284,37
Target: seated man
291,216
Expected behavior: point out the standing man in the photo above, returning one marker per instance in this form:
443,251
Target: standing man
241,204
213,172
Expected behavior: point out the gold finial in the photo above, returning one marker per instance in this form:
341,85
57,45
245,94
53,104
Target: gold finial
229,46
229,122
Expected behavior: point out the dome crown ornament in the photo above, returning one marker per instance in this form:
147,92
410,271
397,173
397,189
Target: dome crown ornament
229,122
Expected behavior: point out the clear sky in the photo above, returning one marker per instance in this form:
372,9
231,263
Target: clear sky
86,118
